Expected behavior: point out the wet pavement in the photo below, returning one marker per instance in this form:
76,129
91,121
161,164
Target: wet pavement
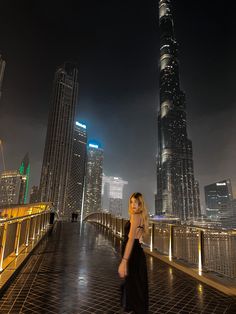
74,270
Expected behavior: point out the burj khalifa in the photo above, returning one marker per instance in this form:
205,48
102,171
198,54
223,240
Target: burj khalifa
177,191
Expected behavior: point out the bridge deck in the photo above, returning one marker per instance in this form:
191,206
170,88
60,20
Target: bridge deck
74,270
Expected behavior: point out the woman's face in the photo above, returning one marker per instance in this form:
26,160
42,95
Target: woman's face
134,204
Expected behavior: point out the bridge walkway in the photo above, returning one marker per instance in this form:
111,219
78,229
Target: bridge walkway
74,270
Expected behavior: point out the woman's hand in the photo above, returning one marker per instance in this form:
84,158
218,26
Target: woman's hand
122,270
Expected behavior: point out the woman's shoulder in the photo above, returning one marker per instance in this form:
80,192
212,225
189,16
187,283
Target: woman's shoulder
136,218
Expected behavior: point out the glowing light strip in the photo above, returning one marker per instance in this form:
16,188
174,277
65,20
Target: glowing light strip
81,125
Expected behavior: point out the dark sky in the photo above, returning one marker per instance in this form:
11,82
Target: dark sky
116,44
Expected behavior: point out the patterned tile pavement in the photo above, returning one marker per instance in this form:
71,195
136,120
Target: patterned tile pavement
74,271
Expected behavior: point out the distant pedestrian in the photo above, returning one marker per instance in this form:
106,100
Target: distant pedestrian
133,268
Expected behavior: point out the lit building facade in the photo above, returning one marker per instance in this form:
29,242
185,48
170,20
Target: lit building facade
112,189
219,200
59,139
77,174
2,70
176,188
93,179
11,185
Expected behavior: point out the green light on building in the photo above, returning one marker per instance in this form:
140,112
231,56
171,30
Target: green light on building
25,170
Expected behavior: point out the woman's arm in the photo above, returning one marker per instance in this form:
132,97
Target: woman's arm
135,219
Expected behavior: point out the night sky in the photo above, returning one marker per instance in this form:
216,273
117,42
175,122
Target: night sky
116,45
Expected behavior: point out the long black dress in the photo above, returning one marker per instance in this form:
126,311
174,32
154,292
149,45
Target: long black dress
134,296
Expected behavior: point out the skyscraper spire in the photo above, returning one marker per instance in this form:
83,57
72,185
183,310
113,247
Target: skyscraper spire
175,177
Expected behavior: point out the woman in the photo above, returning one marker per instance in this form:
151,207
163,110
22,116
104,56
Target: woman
133,266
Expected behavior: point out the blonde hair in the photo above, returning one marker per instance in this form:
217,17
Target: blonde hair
142,209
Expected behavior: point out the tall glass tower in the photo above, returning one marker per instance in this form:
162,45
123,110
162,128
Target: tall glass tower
59,140
93,180
175,177
114,186
2,69
77,174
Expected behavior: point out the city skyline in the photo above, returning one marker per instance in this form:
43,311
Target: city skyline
118,72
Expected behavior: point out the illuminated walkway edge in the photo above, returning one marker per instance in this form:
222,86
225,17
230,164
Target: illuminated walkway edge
30,230
205,278
224,285
16,265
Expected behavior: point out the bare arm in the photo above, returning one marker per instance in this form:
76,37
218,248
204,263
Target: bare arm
135,219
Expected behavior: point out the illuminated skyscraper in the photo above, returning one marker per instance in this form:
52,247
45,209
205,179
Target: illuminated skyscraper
24,170
176,186
93,180
2,69
219,198
14,184
11,185
114,187
59,140
77,174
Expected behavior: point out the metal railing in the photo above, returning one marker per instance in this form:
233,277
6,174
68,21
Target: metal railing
18,233
203,249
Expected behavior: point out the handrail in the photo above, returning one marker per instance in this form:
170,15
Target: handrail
18,233
3,221
205,249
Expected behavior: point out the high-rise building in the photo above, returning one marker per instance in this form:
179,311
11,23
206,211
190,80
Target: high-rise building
93,180
114,187
11,185
196,196
24,170
219,200
34,195
77,174
175,176
59,139
14,184
2,69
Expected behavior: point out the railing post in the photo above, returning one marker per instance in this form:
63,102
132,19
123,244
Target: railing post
27,231
38,225
48,219
122,227
17,239
200,251
152,237
171,242
34,227
3,244
115,225
43,222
